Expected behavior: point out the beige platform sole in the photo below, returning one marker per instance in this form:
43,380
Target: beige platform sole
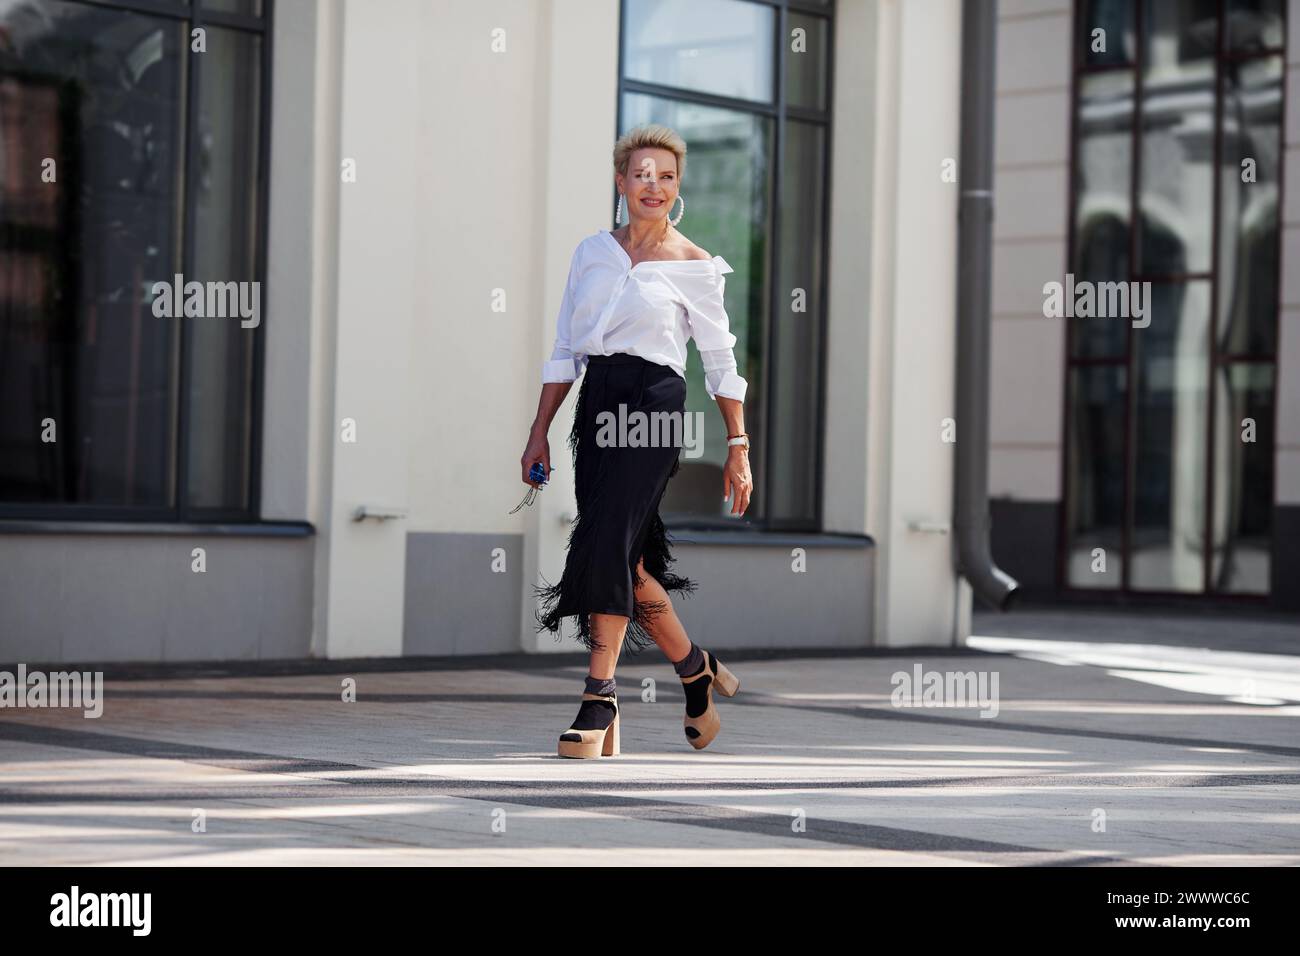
594,743
708,724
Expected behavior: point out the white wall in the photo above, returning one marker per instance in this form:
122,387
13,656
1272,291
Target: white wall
516,126
376,306
481,134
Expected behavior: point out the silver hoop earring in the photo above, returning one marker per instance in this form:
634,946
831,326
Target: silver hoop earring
682,213
618,216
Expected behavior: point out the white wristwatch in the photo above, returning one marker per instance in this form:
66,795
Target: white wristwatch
742,440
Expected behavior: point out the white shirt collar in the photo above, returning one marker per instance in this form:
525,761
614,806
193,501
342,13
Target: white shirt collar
716,263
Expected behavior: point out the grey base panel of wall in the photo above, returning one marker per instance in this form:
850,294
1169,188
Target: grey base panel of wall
78,598
761,595
789,595
1025,535
457,602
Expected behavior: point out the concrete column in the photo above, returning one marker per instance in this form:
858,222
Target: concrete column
912,325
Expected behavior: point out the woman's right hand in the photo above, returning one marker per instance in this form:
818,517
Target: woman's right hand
538,449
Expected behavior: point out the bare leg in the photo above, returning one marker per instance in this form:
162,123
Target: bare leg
607,630
667,629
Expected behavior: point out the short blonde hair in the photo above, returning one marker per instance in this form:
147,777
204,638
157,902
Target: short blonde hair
649,136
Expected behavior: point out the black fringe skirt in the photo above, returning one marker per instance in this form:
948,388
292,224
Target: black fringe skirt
618,490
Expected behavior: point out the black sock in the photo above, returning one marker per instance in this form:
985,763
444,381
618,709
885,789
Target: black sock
596,714
697,692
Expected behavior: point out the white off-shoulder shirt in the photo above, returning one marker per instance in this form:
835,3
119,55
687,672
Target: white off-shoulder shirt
649,309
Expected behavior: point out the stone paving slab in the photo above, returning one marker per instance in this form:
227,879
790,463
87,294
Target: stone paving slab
814,766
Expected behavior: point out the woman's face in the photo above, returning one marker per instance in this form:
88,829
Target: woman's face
650,186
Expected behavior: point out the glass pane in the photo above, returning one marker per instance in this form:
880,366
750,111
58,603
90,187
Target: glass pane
252,8
1171,427
807,54
708,46
1102,211
796,357
1256,24
1177,137
225,242
1094,457
725,184
101,94
1248,224
1113,45
1243,478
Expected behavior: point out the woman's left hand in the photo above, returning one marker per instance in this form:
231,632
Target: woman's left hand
736,477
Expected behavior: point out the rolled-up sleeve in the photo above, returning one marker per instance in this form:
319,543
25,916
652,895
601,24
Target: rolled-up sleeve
711,330
720,375
563,365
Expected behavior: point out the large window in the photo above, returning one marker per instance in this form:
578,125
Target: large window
747,84
132,151
1176,182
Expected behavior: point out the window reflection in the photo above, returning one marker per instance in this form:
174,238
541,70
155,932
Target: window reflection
711,46
221,371
726,186
796,351
1248,224
103,93
725,55
1255,24
1198,496
805,74
1177,188
1114,45
1243,478
1102,213
1095,457
1170,437
99,92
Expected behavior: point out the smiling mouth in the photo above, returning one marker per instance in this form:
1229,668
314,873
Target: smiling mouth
652,202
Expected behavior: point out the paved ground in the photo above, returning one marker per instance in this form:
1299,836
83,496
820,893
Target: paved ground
1099,753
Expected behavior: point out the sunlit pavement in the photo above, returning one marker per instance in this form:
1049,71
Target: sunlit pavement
1097,753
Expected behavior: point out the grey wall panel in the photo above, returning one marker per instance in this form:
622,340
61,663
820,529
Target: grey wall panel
750,595
747,595
456,603
93,598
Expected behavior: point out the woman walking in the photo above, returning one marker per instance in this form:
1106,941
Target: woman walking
633,298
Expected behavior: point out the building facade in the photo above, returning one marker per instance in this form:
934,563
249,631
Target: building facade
316,453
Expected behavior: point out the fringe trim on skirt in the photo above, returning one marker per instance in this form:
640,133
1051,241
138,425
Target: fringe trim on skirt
656,557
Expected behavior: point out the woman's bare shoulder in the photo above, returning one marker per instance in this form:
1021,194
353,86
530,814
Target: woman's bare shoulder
691,251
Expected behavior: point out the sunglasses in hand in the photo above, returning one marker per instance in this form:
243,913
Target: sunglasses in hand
536,473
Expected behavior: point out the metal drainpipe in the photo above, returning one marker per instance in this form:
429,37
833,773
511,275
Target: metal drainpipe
974,558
